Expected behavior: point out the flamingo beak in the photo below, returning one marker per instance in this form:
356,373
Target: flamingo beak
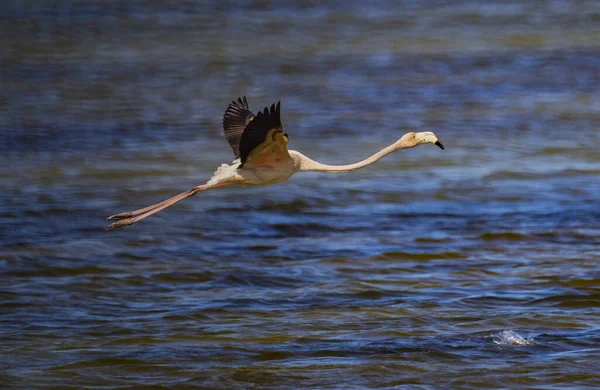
438,143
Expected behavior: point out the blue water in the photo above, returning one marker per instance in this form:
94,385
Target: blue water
471,267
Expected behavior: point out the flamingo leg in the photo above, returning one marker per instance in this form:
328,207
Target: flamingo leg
131,217
134,213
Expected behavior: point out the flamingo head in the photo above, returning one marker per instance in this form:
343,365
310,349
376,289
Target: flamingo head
412,139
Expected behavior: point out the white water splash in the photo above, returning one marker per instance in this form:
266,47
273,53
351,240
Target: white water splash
509,337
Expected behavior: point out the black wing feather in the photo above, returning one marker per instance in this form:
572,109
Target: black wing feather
236,118
257,130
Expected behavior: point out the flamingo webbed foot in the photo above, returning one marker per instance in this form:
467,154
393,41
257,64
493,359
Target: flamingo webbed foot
122,222
121,215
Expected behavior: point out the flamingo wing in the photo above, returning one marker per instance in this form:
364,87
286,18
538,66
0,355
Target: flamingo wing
263,143
236,118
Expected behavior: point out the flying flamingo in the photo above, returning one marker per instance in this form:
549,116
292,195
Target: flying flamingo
261,156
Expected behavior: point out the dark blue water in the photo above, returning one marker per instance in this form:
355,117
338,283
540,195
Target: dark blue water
472,267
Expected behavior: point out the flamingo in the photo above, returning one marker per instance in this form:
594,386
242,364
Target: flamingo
262,158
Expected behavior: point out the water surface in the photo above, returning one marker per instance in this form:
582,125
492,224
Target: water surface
472,267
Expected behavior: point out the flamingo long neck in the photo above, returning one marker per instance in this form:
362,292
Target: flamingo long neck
307,164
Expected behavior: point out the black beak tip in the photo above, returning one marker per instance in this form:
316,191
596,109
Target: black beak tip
438,143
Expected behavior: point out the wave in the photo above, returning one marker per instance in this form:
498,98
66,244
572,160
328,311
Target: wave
510,337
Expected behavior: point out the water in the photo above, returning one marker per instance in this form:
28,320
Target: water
472,267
